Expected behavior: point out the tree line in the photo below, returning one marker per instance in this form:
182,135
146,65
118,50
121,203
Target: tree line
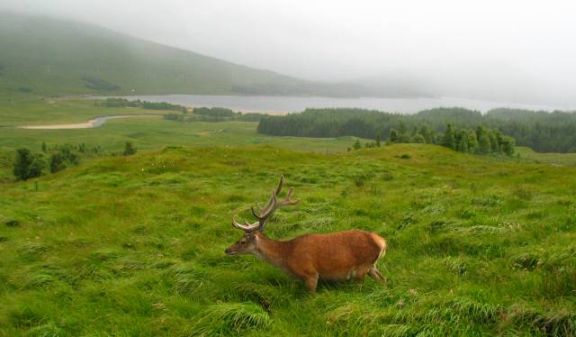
543,131
116,102
215,114
476,141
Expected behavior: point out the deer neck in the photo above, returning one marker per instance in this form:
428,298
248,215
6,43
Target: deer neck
271,251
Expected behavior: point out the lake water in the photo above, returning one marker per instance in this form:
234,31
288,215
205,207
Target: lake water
283,104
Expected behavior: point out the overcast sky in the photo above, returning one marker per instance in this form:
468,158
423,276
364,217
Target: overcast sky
500,49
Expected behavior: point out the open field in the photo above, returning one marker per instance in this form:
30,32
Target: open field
560,159
154,134
133,246
19,110
92,123
146,133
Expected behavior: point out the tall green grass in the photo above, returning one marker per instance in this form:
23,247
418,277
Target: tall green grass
134,246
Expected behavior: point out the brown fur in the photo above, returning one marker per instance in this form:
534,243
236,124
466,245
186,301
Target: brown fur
335,256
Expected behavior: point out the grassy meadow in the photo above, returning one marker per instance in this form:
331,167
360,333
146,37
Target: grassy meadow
19,110
556,159
134,246
147,133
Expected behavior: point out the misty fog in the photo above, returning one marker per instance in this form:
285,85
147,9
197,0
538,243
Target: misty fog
515,51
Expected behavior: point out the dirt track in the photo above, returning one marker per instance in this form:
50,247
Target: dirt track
93,123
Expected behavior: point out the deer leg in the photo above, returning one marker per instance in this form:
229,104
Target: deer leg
361,273
376,275
311,282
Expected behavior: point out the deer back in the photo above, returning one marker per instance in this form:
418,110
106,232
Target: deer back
335,255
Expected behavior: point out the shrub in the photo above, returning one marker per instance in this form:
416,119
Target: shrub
12,223
56,163
129,149
27,164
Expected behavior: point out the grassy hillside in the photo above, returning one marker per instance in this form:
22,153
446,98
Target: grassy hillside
133,246
558,159
49,56
153,134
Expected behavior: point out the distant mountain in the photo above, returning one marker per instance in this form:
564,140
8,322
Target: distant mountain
56,57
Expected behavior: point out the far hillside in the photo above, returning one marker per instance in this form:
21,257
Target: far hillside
51,56
54,57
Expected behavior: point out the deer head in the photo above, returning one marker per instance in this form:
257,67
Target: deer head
248,243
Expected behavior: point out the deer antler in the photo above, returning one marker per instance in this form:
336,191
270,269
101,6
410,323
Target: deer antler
246,226
265,213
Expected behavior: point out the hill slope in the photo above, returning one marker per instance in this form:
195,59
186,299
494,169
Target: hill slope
51,56
134,246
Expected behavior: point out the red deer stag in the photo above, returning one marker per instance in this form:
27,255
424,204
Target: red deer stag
333,256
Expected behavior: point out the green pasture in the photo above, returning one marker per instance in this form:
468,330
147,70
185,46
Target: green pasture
20,110
133,246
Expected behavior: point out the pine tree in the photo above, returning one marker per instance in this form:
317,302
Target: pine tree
449,140
402,129
472,142
484,142
428,134
462,142
494,144
394,138
418,138
22,164
508,145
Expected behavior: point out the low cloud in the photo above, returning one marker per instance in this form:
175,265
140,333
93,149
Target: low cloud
513,50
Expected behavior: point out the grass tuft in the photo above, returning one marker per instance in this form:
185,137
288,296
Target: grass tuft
49,329
228,319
